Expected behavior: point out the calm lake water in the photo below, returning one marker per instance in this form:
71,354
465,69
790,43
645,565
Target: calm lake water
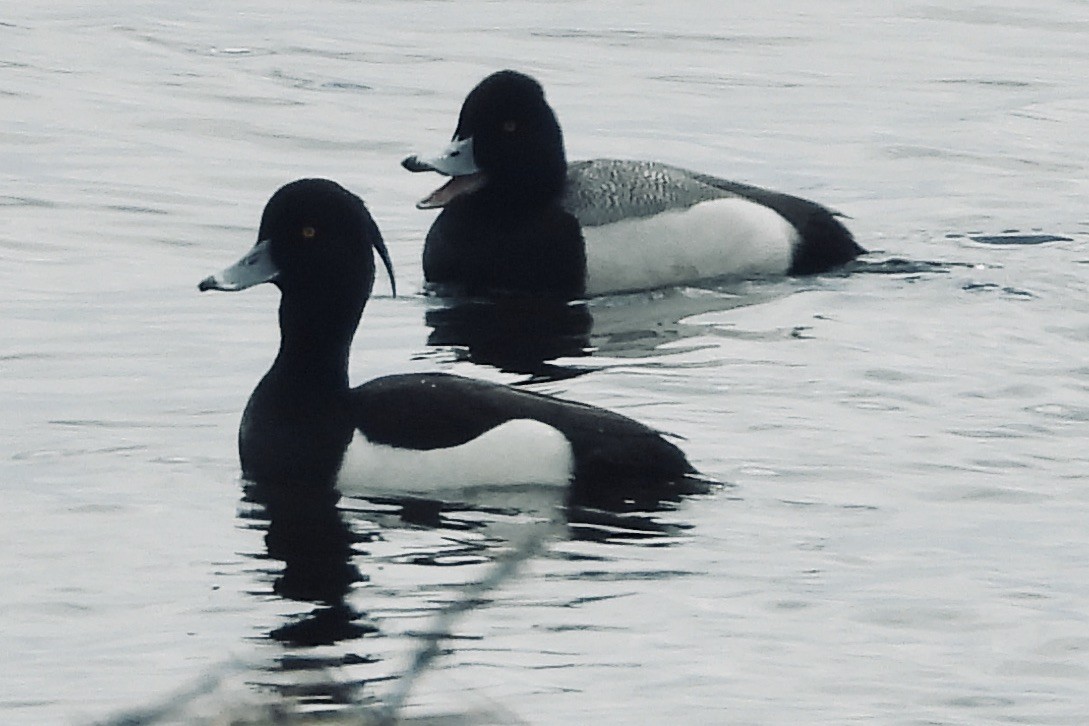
902,538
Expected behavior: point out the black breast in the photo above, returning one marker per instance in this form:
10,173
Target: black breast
293,437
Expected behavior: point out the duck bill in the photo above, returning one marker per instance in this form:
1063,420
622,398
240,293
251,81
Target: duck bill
255,267
456,161
459,186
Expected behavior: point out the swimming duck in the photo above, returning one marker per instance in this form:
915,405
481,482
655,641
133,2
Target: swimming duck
411,433
516,217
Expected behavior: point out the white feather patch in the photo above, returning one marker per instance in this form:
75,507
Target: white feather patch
717,238
518,452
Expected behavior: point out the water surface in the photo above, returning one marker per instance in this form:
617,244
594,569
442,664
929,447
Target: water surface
903,534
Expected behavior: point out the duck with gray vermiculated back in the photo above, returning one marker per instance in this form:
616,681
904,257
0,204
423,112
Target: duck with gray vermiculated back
516,217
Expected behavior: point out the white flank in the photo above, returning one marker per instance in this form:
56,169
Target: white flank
518,452
718,238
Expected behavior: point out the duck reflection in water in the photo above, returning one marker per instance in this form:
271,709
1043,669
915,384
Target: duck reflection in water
516,334
305,530
552,339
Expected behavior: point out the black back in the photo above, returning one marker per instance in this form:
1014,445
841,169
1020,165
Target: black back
616,458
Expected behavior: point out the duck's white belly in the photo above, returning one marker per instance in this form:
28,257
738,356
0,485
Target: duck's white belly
716,238
522,451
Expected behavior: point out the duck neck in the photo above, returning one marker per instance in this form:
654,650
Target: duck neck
504,199
315,338
545,187
537,180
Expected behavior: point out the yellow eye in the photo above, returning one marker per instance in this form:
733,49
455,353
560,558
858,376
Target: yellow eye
510,126
308,232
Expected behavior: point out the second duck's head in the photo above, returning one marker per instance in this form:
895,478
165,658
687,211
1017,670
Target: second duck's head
507,144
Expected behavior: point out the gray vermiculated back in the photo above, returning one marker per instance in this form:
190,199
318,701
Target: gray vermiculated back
603,191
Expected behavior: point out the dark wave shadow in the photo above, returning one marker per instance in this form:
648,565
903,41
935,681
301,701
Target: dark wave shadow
903,266
1015,238
1010,238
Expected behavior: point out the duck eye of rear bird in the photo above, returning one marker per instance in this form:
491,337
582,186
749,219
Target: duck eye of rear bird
510,126
308,232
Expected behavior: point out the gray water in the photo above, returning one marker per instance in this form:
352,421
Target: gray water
902,538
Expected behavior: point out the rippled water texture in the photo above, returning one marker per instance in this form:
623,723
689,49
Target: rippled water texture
903,534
